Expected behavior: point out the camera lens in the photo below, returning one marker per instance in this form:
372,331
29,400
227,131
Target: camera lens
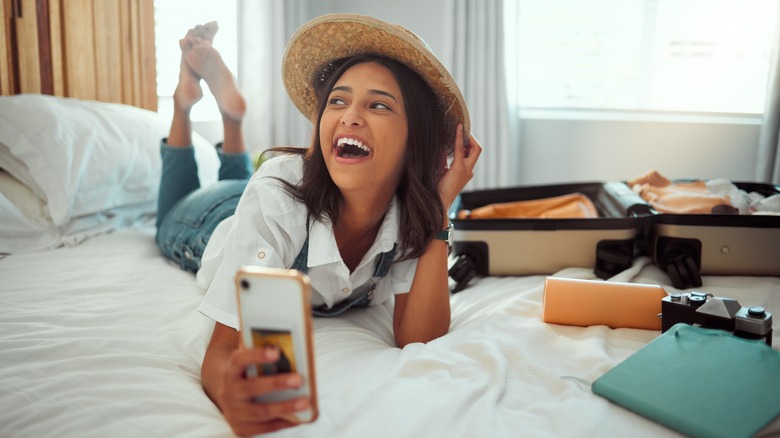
697,300
244,284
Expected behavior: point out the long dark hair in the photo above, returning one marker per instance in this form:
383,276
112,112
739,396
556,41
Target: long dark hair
429,141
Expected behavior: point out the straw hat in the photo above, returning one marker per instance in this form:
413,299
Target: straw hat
330,37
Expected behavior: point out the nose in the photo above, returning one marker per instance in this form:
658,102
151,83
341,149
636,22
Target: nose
352,116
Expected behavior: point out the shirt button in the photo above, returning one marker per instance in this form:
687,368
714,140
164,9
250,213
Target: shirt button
261,255
345,290
187,255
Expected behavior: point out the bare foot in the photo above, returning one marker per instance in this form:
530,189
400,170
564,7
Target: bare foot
204,32
206,62
188,90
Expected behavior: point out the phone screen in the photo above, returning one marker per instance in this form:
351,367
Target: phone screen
283,341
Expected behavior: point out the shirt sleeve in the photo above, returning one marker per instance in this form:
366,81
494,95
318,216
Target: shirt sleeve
258,234
401,276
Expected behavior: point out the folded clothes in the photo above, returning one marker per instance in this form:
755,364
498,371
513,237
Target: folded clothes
769,206
677,197
717,195
573,205
745,202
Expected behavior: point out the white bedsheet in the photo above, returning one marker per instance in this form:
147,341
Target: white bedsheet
102,339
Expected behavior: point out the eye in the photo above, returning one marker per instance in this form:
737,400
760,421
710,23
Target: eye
336,101
380,105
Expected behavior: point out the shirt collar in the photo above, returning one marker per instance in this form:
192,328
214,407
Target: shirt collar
322,242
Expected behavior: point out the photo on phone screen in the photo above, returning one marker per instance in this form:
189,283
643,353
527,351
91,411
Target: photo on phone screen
281,340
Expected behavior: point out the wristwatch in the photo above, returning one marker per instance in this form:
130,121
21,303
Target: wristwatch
447,235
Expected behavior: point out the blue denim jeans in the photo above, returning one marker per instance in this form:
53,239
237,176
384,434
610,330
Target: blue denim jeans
186,213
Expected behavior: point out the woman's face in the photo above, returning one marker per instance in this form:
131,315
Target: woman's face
363,130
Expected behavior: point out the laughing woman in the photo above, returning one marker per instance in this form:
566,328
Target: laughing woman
362,210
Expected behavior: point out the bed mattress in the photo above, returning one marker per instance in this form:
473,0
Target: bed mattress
103,339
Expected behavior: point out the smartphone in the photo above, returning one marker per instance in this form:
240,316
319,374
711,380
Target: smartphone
275,310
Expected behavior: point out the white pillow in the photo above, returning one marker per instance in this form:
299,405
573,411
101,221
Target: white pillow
83,157
22,197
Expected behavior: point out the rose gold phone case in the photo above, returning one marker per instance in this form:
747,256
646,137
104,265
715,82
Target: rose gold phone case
297,308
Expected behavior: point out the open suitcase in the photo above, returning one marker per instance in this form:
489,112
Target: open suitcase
686,246
543,246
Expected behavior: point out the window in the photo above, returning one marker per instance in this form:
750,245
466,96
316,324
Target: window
172,20
659,55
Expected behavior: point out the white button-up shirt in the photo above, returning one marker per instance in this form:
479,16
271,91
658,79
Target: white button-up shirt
269,229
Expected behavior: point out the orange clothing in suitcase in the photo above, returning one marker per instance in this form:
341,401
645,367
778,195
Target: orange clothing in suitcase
573,205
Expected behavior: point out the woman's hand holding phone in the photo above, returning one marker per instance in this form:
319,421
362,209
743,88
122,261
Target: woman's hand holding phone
247,416
269,382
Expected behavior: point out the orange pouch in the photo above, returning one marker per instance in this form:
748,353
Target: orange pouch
590,302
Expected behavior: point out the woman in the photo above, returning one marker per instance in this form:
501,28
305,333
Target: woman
361,211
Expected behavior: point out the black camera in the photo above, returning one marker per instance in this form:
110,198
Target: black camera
708,311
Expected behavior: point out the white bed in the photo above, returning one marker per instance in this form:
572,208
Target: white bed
99,335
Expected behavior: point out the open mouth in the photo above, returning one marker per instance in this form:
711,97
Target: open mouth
351,148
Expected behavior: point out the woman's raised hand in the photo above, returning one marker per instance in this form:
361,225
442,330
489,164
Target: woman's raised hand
461,170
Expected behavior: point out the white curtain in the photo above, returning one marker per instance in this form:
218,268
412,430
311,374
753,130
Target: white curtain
264,29
474,49
477,33
768,159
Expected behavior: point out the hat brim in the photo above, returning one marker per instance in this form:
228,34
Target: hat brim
336,36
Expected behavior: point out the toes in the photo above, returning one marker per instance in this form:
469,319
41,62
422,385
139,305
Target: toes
212,27
204,31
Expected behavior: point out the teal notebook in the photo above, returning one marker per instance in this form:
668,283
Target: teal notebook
701,382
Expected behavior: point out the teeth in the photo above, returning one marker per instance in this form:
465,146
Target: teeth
344,140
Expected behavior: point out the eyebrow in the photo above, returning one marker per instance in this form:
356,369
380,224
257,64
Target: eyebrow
379,92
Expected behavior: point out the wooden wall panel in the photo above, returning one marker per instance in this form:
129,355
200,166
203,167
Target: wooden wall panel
138,59
90,49
57,61
78,38
44,46
107,51
28,65
6,53
148,56
126,58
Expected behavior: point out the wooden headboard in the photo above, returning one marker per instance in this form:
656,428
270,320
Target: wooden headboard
90,49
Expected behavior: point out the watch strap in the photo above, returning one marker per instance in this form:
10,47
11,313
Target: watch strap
446,235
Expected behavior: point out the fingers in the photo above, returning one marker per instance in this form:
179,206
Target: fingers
246,416
267,411
252,429
255,386
469,153
261,421
458,150
242,358
474,150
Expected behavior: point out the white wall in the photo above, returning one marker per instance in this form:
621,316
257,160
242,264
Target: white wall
556,150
